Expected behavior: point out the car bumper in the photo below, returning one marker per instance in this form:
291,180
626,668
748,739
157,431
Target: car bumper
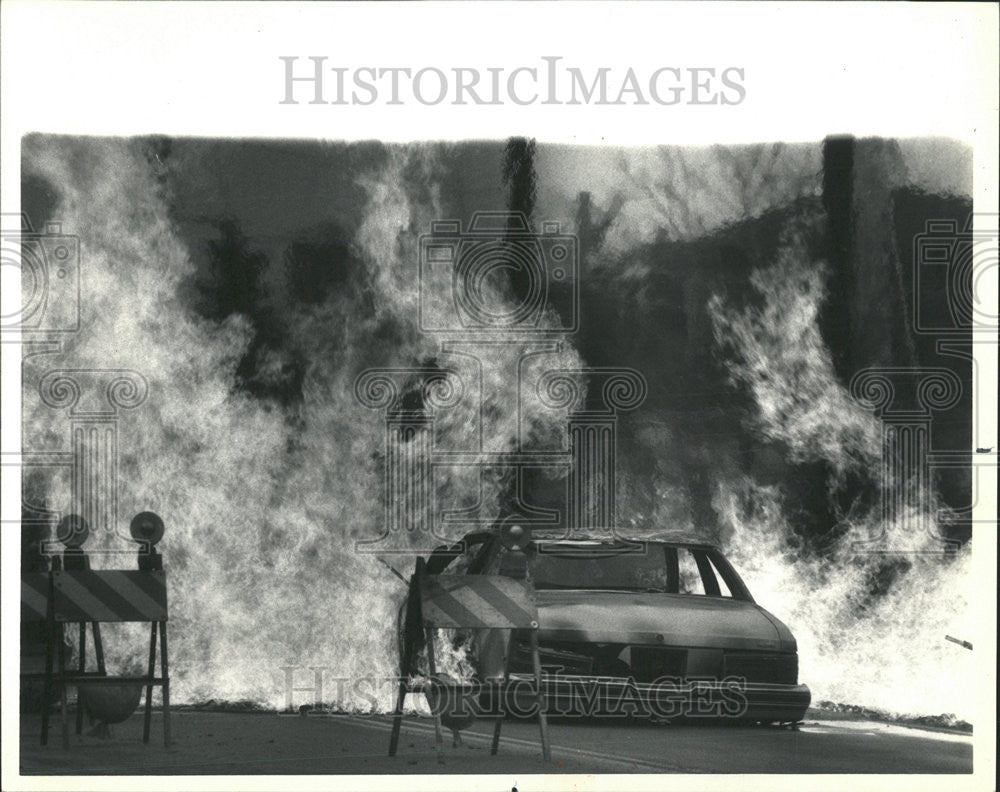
777,702
732,698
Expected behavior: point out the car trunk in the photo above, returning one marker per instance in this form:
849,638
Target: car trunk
652,618
650,636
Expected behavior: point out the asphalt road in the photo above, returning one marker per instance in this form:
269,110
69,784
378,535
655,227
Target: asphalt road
240,743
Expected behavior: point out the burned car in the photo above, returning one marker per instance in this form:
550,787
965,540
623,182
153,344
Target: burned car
666,629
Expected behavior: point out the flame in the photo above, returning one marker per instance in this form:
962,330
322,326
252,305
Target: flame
263,505
883,651
780,357
862,641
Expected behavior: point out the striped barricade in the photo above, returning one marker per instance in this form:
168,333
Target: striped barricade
81,596
110,596
73,593
35,596
466,602
115,596
478,601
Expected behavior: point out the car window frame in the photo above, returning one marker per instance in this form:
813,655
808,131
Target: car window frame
709,583
486,561
729,575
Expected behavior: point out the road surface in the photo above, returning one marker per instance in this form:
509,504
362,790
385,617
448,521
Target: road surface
252,743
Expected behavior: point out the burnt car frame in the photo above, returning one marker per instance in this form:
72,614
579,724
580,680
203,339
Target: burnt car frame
660,628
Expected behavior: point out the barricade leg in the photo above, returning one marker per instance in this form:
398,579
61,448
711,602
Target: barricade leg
543,725
438,741
61,682
501,692
397,717
98,648
166,683
410,627
150,673
83,667
50,648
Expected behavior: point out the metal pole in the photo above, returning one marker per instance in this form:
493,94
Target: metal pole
150,673
64,714
436,704
502,692
410,628
83,668
397,717
50,648
166,684
536,662
98,648
542,723
404,676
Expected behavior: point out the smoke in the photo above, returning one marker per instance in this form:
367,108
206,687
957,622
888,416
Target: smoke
870,627
263,500
857,645
776,353
201,454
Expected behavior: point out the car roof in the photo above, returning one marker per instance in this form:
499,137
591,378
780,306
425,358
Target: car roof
554,536
622,540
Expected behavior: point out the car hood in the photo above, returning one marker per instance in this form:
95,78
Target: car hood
657,618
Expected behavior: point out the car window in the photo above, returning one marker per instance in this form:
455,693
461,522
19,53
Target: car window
635,569
676,569
688,575
724,590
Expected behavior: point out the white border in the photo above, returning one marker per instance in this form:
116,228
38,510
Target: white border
811,70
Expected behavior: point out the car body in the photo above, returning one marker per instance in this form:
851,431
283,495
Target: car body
658,628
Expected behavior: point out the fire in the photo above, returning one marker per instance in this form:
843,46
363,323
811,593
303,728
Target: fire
884,651
861,641
264,503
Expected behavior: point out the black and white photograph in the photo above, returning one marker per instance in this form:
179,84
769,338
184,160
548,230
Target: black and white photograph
395,458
